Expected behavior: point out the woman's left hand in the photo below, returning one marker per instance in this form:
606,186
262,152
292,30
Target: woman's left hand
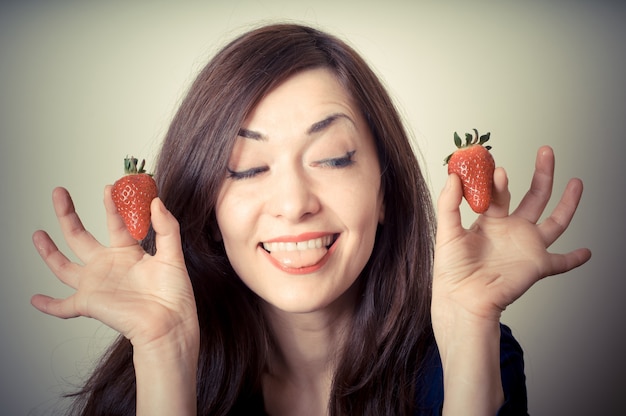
483,269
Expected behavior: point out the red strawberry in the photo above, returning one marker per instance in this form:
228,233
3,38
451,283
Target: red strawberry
132,195
473,163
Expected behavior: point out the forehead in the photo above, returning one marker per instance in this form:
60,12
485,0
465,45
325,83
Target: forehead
305,96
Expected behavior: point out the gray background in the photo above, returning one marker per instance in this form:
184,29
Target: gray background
82,84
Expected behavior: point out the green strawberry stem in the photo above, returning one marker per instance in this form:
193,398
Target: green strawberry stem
130,166
470,140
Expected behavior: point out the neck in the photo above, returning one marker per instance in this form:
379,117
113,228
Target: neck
308,346
306,343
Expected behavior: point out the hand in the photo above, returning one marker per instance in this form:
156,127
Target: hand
483,269
146,298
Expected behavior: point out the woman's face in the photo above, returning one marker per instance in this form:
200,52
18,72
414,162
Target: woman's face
299,210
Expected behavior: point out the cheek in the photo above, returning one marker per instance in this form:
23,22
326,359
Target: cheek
234,231
234,219
361,212
363,203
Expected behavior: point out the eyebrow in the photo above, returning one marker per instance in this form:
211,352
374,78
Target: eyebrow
315,127
251,134
325,123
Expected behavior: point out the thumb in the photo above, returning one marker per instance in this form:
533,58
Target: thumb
448,211
167,233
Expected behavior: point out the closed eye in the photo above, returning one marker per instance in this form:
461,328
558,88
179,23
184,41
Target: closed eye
334,162
337,162
246,174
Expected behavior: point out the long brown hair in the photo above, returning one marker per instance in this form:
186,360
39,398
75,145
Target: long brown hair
391,329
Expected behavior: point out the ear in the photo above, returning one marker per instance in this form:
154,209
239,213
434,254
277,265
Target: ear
381,213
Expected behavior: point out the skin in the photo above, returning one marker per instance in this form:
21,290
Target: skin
306,188
478,271
148,299
298,136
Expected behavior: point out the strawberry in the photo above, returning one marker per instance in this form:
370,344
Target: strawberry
132,195
474,164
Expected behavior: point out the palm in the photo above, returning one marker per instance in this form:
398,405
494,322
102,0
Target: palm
487,267
493,263
141,296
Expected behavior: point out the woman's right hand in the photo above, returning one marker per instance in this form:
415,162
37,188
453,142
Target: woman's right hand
146,298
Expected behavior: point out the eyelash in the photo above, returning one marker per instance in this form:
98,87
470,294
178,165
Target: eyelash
338,162
246,174
334,163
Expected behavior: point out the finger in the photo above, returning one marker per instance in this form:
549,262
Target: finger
562,263
61,308
449,222
534,202
56,261
118,233
167,234
556,224
501,198
80,241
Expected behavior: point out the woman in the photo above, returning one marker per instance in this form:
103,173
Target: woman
287,138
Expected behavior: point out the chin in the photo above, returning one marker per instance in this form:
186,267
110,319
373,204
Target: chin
298,306
308,303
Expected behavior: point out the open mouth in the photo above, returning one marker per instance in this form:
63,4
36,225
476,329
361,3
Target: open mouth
313,244
305,255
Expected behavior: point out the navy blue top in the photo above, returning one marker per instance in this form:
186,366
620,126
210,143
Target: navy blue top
429,392
430,385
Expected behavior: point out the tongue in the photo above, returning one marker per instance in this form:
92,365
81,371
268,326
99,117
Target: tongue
299,258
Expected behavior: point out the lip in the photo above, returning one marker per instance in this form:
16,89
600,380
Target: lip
298,238
294,239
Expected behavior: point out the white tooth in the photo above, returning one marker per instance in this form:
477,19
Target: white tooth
302,245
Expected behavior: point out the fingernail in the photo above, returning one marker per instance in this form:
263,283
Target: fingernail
37,241
449,182
162,206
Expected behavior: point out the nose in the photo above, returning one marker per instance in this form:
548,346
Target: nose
293,196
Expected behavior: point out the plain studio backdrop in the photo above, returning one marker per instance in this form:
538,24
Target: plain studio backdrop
83,84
